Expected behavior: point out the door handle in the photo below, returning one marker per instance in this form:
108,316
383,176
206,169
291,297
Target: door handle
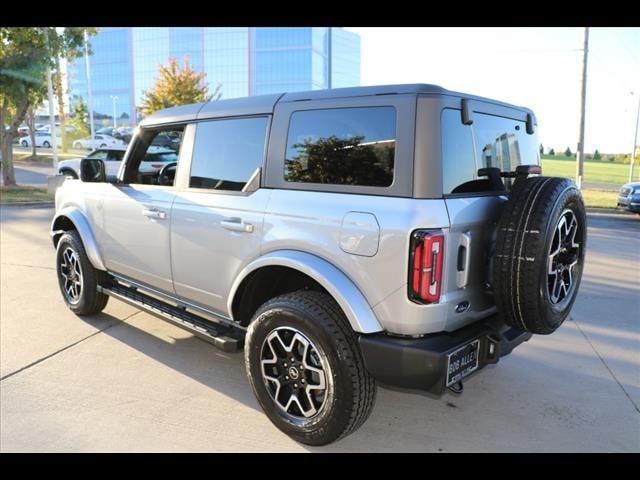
464,260
236,225
153,213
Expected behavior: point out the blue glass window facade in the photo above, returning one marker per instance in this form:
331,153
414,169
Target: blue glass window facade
244,60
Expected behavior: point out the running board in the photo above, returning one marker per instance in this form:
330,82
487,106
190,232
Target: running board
225,337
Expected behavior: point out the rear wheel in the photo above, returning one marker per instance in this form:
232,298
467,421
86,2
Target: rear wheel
46,144
306,369
25,144
77,278
540,253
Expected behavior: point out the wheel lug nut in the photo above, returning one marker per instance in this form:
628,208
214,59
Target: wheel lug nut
302,381
286,377
285,364
295,385
293,359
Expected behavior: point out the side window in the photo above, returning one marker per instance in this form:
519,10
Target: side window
156,156
458,157
100,154
342,146
226,153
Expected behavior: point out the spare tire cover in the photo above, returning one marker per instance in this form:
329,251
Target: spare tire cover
539,255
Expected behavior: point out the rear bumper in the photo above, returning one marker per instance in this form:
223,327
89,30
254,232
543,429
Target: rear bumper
421,363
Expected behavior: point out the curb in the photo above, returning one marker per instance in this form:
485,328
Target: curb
611,211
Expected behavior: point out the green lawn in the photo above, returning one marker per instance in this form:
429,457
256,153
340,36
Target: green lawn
24,194
615,174
600,198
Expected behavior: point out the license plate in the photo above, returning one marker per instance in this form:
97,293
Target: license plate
462,362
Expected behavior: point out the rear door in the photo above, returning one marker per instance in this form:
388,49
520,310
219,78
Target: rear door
217,215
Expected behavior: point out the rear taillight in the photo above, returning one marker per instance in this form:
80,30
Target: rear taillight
426,256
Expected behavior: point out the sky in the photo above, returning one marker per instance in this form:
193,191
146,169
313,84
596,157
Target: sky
540,68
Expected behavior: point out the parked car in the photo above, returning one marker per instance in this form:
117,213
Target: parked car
99,141
42,139
155,159
167,140
112,132
126,133
400,234
629,197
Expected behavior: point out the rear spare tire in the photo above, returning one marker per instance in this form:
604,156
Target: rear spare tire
539,254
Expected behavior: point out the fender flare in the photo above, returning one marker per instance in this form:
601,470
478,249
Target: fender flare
340,287
75,215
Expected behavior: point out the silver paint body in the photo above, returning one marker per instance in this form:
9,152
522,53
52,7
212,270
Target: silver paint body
198,245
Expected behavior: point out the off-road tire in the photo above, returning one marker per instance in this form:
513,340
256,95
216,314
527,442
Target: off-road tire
90,300
319,318
521,262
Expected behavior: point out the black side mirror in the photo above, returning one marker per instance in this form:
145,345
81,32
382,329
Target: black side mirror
92,170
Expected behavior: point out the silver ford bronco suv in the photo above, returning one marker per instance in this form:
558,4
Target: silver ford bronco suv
398,234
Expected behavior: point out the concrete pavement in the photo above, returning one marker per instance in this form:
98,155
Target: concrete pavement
125,381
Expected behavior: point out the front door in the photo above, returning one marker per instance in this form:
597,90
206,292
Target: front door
216,225
137,213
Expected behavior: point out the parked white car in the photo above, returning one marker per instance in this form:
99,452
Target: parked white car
43,139
98,141
154,160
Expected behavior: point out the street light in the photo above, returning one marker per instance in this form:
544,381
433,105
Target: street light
114,99
635,143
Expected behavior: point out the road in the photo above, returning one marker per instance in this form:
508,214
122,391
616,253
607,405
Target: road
125,381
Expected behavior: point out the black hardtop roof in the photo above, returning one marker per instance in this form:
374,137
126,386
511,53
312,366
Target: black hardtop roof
263,104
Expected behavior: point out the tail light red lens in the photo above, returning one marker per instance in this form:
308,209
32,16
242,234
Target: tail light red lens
427,255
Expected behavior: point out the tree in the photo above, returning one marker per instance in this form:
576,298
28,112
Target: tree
30,120
567,152
79,118
541,150
596,155
552,152
177,86
25,55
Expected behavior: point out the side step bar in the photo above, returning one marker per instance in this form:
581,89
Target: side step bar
225,337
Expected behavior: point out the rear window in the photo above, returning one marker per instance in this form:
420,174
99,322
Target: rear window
491,141
342,146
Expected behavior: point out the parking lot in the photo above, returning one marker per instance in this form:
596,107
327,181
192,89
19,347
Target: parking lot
125,381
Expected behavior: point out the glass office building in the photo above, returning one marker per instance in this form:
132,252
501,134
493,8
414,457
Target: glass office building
244,61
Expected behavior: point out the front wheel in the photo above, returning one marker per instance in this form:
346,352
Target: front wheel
306,369
77,278
46,144
25,144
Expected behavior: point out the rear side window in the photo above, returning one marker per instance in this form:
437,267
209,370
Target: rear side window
227,153
491,141
342,146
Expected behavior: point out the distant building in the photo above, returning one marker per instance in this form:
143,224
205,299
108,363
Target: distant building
246,61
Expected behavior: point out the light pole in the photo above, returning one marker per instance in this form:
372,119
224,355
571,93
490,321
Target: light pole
88,69
583,100
635,143
114,99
